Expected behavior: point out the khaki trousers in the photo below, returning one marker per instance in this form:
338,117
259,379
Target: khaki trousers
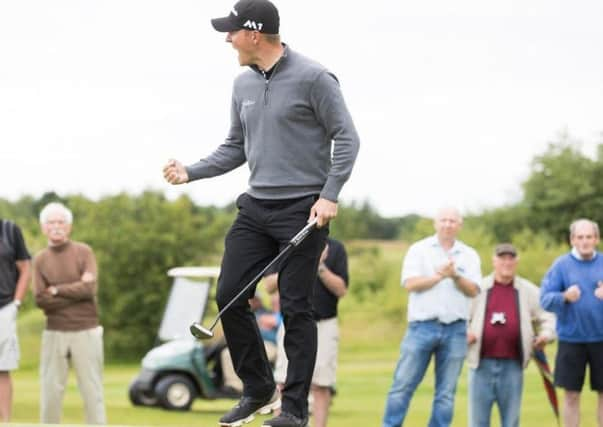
84,351
325,368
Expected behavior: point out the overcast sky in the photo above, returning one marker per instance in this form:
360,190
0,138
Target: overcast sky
452,99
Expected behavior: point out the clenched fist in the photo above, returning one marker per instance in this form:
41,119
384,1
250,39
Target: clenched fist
572,294
174,172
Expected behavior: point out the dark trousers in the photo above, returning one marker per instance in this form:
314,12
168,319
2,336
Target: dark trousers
261,229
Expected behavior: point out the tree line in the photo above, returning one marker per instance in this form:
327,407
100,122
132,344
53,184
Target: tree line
137,238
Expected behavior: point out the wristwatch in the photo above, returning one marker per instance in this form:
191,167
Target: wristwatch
17,302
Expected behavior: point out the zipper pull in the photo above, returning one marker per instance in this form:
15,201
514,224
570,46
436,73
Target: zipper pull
266,92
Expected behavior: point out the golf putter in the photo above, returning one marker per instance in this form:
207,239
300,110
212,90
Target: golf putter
203,333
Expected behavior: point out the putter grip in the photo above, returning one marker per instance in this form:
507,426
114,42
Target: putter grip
303,233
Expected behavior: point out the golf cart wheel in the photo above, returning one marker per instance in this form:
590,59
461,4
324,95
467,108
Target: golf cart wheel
139,397
175,392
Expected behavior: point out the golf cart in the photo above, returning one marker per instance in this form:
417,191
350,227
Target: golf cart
181,368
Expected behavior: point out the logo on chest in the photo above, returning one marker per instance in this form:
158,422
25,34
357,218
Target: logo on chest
498,317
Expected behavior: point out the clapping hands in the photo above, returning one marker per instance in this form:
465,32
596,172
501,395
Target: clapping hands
448,269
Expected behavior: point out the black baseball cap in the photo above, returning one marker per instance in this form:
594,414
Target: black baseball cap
505,249
255,15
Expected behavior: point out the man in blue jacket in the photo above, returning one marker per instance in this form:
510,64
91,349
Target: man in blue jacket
573,290
290,123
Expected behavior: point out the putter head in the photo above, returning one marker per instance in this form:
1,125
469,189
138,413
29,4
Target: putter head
200,332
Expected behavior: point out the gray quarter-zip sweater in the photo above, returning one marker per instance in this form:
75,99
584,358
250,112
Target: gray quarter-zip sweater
294,130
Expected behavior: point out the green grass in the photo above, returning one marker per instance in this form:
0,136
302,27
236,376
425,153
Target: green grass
369,352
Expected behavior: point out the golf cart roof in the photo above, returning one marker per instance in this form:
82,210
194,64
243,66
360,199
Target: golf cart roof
212,272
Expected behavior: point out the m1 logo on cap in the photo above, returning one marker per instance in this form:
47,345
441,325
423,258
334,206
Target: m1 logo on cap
253,25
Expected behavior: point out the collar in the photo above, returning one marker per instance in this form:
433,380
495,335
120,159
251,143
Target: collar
435,242
283,57
579,257
488,281
60,247
506,285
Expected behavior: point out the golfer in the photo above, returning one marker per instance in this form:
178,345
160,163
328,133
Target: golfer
290,123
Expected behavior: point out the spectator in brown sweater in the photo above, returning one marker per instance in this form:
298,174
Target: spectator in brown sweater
65,285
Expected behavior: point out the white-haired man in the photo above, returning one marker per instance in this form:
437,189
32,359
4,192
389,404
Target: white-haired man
573,290
65,286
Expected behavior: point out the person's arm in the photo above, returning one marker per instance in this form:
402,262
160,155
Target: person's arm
466,286
543,321
422,283
552,296
413,272
471,335
85,288
228,156
468,281
271,283
333,269
43,295
23,264
331,111
24,268
334,283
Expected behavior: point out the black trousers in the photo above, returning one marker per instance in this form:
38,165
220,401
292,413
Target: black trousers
261,229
